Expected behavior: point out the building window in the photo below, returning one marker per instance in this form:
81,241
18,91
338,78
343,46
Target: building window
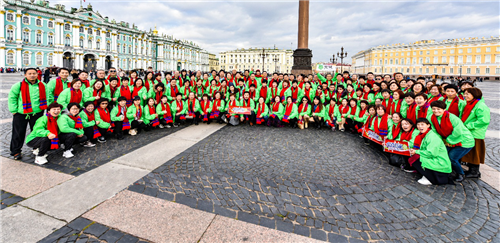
118,47
10,35
67,27
469,50
443,70
420,70
50,60
26,59
98,45
51,40
118,37
97,32
460,51
478,59
426,70
67,41
469,59
477,70
81,43
123,38
488,49
487,70
39,38
467,70
38,22
89,31
487,58
108,47
497,58
497,70
26,36
444,51
436,60
51,24
26,20
10,58
81,29
10,17
478,50
451,70
435,52
443,59
460,59
124,49
39,59
89,43
108,34
129,49
452,51
435,70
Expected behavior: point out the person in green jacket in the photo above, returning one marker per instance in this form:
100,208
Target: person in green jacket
296,92
304,113
476,118
57,85
138,89
218,108
361,116
119,118
185,90
165,111
193,108
341,113
401,130
135,114
354,109
71,95
264,91
261,111
151,118
456,136
103,119
90,128
250,103
275,113
179,110
433,162
95,92
27,101
71,129
205,108
318,113
291,113
454,104
232,102
44,136
172,89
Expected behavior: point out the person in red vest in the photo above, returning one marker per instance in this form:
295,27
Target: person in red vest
27,101
39,72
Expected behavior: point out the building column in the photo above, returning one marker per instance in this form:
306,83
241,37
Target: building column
2,23
3,57
57,34
18,28
19,58
76,35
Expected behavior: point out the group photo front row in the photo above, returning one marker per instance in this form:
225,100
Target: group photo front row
421,126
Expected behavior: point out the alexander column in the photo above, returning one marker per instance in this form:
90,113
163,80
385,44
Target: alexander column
302,55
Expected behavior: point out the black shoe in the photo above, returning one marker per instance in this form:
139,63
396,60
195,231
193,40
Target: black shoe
459,178
473,172
18,156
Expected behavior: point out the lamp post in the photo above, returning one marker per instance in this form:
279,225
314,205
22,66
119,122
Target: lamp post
460,66
333,59
263,55
275,60
341,55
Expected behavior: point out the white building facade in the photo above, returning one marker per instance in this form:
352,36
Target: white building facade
275,60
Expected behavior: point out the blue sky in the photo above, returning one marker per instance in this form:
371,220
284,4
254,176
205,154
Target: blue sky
356,25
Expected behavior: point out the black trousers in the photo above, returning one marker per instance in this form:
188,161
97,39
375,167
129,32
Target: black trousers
19,124
43,143
178,120
196,118
89,133
137,125
118,129
251,117
105,133
436,178
291,122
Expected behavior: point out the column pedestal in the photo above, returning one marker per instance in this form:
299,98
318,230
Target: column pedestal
302,62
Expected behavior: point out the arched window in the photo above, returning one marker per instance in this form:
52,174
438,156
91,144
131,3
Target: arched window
89,31
98,45
26,59
67,27
81,29
118,47
26,35
89,44
108,34
108,46
10,58
67,41
81,42
51,39
39,37
39,59
38,22
124,50
129,49
98,32
10,34
26,20
10,17
50,24
50,59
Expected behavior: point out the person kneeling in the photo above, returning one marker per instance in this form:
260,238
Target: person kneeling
429,156
136,115
291,112
119,118
71,129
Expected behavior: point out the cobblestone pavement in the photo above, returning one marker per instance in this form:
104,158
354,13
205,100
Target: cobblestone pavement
8,199
491,94
84,230
325,185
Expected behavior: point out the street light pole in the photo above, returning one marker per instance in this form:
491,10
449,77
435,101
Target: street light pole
263,55
342,55
276,60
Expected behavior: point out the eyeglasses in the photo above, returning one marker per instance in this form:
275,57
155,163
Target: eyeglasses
112,71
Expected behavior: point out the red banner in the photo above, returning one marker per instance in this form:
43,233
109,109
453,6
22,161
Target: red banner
397,147
370,134
240,110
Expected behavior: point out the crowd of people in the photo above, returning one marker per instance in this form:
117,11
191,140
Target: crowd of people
444,124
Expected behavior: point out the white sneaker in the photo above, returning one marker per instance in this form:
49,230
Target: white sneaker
71,149
35,151
168,126
175,125
424,181
132,132
67,154
62,146
41,160
89,144
161,126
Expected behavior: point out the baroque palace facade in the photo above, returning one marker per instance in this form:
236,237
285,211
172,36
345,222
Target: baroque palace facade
38,35
466,57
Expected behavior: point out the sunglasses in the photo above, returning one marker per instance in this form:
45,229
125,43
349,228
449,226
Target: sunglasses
112,71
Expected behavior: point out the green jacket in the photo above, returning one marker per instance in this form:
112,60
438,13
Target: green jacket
322,113
173,107
184,92
288,92
460,133
88,94
293,114
15,98
312,93
161,113
114,113
244,102
461,105
304,111
279,113
67,125
478,120
338,114
102,124
433,153
50,88
143,93
237,103
221,108
267,99
65,97
208,108
264,113
197,107
39,130
148,117
300,93
85,120
362,118
335,111
131,111
168,92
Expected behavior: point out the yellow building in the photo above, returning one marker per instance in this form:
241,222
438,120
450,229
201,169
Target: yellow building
213,62
275,60
466,57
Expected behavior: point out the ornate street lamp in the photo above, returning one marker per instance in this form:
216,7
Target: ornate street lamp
263,55
276,60
341,55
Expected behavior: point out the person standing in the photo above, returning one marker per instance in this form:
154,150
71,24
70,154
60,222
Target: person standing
46,75
26,101
57,85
